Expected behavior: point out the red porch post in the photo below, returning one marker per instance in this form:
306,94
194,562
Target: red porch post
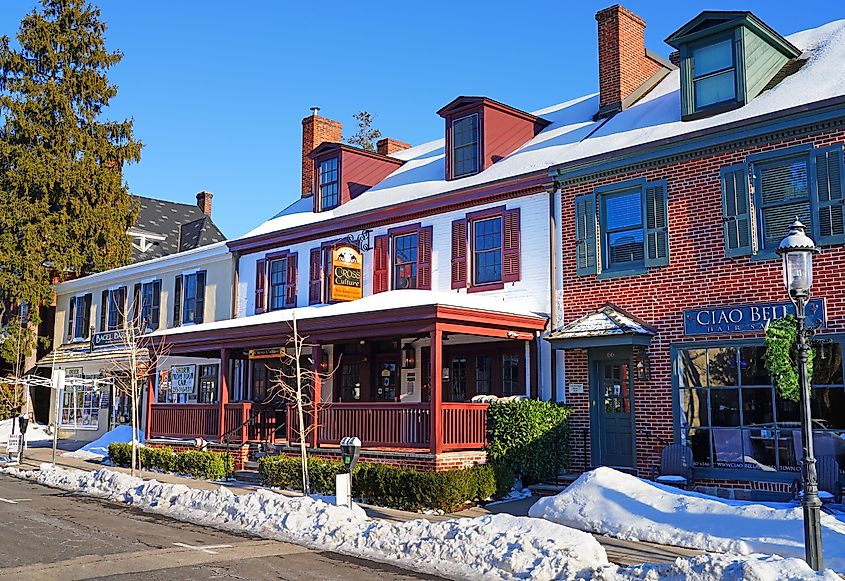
224,390
316,392
152,372
436,391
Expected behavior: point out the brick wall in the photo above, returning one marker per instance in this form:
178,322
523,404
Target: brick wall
698,275
316,130
387,146
419,460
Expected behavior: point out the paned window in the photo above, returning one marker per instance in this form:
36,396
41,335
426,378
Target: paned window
483,374
510,374
278,283
329,184
459,378
784,191
714,74
150,305
732,417
80,407
624,240
189,306
487,251
465,146
405,261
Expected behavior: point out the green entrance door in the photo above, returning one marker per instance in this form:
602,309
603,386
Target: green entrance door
614,395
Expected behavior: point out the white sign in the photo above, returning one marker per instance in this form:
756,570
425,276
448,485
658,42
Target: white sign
13,448
343,490
182,378
576,388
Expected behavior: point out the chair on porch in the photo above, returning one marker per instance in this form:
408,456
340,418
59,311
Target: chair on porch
675,466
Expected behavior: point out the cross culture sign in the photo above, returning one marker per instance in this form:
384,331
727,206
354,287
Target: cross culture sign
347,273
744,318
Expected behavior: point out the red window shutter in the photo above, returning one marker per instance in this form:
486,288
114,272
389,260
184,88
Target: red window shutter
510,246
424,258
315,278
459,254
260,284
290,289
380,264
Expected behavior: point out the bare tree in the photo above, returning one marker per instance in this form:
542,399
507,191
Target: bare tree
134,370
295,384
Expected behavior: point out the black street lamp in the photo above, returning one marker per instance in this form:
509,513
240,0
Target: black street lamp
797,250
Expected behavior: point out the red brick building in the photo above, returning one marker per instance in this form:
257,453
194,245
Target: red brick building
671,209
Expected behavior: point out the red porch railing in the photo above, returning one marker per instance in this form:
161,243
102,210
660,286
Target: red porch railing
396,425
190,420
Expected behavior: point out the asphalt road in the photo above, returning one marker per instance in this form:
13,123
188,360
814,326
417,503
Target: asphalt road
50,534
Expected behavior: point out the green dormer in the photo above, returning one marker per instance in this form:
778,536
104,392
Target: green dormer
726,59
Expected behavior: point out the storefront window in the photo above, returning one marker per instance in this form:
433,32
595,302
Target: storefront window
732,417
80,407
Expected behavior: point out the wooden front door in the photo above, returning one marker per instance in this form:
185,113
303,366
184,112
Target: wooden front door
613,397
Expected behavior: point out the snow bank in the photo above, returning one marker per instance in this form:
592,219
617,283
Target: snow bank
99,448
613,503
34,432
494,547
717,567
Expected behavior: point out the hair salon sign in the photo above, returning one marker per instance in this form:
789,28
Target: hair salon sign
746,318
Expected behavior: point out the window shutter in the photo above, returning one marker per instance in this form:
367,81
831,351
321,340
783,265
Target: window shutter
155,308
120,301
260,286
828,194
585,235
177,302
510,245
104,306
86,316
459,254
290,288
380,264
424,258
656,220
736,211
70,318
199,313
315,279
137,307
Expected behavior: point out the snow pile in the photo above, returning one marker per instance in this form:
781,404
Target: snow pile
493,547
34,432
99,448
613,503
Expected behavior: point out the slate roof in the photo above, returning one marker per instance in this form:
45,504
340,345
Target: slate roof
608,321
184,227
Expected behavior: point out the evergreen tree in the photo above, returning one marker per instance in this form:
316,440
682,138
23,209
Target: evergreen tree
366,136
64,209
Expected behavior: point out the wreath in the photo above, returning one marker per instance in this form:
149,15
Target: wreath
782,357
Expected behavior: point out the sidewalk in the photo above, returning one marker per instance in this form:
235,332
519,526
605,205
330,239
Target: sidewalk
618,551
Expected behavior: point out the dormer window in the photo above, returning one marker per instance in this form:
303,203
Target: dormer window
329,191
713,74
727,59
465,146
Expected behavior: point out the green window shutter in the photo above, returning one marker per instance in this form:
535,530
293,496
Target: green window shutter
585,235
656,220
736,210
828,195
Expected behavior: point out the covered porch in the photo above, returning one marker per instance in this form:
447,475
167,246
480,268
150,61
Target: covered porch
399,372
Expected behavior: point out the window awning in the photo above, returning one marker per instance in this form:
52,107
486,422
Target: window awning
608,326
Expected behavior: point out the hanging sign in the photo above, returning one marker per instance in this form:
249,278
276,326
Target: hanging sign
182,378
745,318
268,353
108,339
347,273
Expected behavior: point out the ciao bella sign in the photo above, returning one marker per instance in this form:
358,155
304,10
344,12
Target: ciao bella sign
745,318
347,273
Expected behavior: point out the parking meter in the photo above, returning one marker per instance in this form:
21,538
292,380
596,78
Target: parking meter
350,449
23,423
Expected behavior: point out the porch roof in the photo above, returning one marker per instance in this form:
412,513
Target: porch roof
81,353
609,325
389,313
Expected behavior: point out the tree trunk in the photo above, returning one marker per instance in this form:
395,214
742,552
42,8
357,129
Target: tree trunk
303,451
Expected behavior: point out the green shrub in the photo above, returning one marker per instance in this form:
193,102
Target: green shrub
197,463
530,437
392,486
504,478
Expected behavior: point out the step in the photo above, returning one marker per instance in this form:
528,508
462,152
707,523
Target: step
546,489
251,465
247,476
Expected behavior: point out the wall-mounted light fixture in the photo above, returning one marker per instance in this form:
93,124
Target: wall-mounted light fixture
324,362
409,356
643,367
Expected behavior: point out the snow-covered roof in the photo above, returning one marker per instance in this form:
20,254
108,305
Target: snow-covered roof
397,299
574,135
608,321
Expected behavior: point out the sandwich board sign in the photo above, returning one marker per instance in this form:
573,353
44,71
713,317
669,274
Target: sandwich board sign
13,448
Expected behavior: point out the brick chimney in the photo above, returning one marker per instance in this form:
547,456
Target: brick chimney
623,63
387,146
316,130
204,202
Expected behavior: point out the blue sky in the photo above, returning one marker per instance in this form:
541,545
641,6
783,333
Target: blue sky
218,88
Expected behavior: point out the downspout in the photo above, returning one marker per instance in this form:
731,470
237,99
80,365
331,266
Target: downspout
556,289
236,258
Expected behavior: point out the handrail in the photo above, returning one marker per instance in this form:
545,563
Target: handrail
249,421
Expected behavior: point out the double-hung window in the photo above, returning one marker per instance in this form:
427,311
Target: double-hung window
784,194
79,317
150,311
713,74
329,190
487,251
402,258
622,228
405,249
189,298
465,146
278,283
113,309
